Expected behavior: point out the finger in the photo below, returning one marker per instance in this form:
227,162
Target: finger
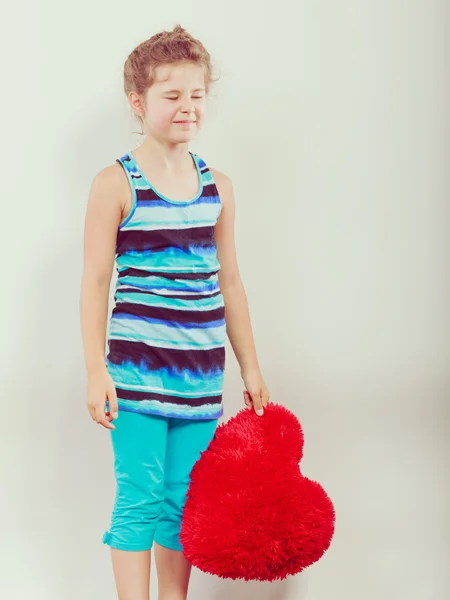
112,400
265,398
257,404
102,419
247,399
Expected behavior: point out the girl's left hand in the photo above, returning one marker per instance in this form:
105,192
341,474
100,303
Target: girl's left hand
256,393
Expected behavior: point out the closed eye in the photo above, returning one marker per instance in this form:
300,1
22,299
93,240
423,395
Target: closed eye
195,97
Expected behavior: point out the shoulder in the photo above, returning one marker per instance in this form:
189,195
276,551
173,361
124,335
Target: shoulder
110,177
110,188
111,181
224,185
220,178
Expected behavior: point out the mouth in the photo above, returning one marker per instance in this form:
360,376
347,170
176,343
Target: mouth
184,122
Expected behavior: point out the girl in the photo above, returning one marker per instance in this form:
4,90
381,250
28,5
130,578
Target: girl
168,220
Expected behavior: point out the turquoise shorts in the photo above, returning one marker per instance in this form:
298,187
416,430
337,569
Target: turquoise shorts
153,460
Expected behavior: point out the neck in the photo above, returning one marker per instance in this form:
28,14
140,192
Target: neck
165,156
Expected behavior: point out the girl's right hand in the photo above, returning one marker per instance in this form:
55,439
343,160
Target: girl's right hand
100,387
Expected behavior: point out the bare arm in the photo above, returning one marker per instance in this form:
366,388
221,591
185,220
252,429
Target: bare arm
238,323
103,216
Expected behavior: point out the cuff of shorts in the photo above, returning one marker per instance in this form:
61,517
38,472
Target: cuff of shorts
168,544
109,541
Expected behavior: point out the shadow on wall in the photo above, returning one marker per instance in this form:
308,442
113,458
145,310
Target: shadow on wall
292,588
277,590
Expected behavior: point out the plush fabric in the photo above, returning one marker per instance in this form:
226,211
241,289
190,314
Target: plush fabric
250,513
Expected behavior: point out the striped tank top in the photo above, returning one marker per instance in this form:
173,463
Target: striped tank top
166,334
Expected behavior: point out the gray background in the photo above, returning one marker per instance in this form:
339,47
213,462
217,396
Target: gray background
331,118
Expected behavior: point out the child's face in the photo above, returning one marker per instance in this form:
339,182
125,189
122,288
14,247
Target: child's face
178,94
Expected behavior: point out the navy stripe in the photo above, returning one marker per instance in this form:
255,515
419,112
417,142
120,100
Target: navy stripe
167,275
209,189
161,239
156,358
169,314
148,194
124,394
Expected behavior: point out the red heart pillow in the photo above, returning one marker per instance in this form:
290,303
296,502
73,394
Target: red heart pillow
250,513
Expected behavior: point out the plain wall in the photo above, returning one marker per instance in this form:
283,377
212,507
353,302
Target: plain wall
331,118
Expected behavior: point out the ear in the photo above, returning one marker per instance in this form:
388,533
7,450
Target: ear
136,104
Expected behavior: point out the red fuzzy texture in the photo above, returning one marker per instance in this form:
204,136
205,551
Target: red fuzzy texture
250,513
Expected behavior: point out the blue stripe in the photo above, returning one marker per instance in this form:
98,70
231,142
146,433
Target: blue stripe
170,381
198,287
151,408
163,204
207,303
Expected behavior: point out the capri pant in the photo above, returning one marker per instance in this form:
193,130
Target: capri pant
153,460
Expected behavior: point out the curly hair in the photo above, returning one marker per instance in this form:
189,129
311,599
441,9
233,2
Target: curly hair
166,47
